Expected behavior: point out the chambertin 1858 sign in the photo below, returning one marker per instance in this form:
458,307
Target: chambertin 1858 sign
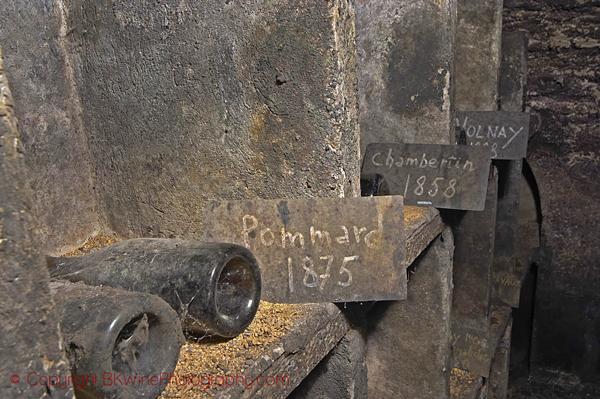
443,176
320,249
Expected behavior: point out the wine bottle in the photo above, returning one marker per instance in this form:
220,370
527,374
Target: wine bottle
120,344
215,287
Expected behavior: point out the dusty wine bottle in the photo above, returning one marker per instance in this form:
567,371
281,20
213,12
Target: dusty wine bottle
114,336
215,287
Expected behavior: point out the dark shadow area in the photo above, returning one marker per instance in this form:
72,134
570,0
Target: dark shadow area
522,331
553,385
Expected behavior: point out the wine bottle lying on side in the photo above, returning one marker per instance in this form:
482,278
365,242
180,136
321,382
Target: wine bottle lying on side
215,287
120,344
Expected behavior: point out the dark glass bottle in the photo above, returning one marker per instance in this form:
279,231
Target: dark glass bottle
215,287
115,338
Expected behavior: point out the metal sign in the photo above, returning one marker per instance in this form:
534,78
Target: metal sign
319,250
443,176
505,133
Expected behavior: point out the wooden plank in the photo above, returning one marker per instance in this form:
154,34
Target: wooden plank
320,329
477,54
506,286
500,319
342,374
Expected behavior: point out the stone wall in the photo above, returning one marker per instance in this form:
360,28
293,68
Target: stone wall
65,206
186,102
135,115
564,98
29,330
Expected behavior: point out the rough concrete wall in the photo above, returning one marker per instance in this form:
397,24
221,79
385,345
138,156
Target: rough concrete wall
478,45
191,101
564,93
65,208
406,61
30,344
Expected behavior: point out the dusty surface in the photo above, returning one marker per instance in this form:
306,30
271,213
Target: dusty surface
233,357
422,225
414,215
